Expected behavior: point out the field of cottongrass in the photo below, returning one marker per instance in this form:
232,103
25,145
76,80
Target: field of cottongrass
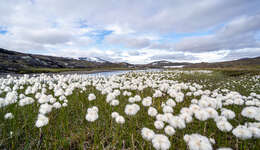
196,110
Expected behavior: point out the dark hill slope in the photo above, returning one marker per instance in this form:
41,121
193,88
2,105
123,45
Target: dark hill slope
11,61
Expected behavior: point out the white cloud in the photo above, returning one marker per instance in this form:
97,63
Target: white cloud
69,28
237,34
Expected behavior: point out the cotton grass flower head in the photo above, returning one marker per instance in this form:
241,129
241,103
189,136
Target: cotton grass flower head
250,112
41,121
220,118
11,98
43,99
120,119
169,130
170,102
162,117
114,102
202,115
64,104
177,122
255,132
224,126
186,117
147,134
91,97
197,142
158,125
56,105
229,114
157,93
137,98
152,111
167,109
147,101
131,99
114,114
9,116
242,132
45,108
52,100
92,114
110,97
212,112
26,101
161,142
131,109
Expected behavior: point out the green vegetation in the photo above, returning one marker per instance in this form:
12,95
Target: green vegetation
68,128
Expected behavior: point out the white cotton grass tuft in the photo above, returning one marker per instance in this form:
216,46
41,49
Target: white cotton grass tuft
26,101
255,132
9,116
10,98
158,125
186,117
43,99
147,101
120,119
250,112
92,114
169,130
162,117
56,105
224,126
202,115
114,114
131,109
41,121
197,142
45,108
242,132
170,102
64,104
157,93
167,109
114,102
161,142
137,98
177,122
229,114
152,111
212,112
147,134
91,97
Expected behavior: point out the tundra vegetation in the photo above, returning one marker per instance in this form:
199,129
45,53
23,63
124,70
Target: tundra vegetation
173,109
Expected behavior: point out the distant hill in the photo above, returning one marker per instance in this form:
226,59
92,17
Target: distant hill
94,59
11,61
166,64
240,63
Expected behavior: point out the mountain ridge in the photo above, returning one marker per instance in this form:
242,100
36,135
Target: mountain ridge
12,61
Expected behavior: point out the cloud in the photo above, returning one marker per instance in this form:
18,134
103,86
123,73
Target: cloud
237,34
162,16
127,41
242,53
133,31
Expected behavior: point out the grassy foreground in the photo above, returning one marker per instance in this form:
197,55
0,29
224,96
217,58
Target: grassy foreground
68,128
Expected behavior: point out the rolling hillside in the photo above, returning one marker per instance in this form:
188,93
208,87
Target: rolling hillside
11,61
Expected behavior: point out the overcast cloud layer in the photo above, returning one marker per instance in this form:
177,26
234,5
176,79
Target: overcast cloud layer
134,31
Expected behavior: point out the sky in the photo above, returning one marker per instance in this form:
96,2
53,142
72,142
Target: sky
133,31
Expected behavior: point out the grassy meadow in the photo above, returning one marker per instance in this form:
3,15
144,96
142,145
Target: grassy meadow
68,128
